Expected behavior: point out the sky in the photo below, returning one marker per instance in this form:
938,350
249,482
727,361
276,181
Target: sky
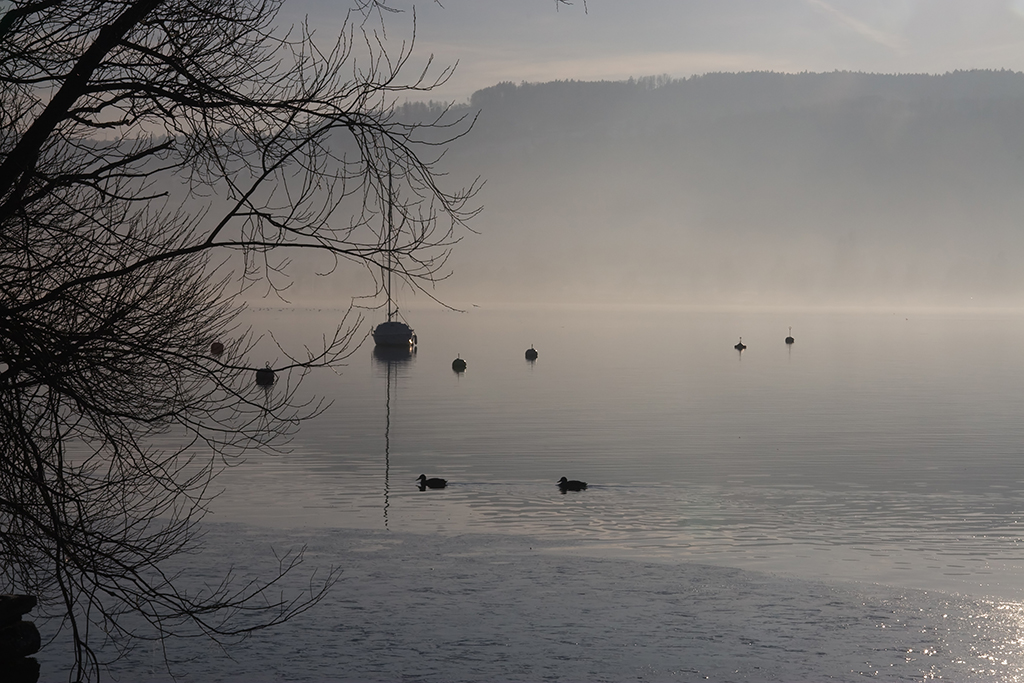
492,41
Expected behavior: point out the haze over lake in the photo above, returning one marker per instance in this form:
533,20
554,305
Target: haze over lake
578,340
753,189
846,505
633,232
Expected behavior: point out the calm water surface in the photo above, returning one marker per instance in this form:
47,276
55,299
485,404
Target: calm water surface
883,447
847,506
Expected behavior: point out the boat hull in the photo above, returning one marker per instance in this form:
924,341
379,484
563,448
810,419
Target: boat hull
394,333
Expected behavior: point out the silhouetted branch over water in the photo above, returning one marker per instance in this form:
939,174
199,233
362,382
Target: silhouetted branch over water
157,159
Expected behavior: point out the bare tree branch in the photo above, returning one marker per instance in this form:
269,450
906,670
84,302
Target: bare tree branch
146,147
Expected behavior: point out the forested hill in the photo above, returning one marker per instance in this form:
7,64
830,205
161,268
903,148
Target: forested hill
748,188
649,103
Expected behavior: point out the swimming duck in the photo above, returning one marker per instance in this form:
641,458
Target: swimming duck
432,483
740,346
571,485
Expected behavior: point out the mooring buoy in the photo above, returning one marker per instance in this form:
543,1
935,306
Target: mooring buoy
265,377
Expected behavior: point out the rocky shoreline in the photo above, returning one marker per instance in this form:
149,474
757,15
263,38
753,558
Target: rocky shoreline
19,639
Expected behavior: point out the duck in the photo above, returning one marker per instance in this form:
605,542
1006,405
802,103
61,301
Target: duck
571,485
432,483
789,339
740,346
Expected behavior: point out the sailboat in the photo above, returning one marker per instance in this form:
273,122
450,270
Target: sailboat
393,333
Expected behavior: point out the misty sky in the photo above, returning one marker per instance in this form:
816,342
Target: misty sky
528,40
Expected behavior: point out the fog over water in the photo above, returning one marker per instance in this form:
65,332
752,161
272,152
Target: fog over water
849,505
741,189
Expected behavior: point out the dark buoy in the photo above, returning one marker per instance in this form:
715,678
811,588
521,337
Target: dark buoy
740,346
789,339
459,365
531,353
432,483
265,377
216,348
571,485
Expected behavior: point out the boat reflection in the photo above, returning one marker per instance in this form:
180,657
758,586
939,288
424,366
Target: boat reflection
392,359
393,355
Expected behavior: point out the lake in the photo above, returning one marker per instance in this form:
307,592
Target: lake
847,505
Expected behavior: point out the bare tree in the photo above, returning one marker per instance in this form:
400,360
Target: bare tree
157,158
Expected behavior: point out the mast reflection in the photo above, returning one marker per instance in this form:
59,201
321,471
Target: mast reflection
391,359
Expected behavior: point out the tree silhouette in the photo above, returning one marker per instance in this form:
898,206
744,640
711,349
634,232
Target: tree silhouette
158,158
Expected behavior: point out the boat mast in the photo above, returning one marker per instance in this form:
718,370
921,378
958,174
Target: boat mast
390,243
